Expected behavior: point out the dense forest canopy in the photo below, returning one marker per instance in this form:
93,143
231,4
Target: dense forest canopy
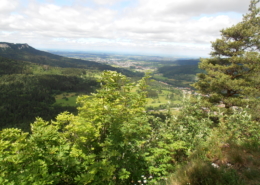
27,90
179,72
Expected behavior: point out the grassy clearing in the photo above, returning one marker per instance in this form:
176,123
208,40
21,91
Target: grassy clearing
49,70
164,99
66,99
159,77
220,164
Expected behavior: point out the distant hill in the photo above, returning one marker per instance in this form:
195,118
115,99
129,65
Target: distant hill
185,67
187,62
24,52
169,71
180,72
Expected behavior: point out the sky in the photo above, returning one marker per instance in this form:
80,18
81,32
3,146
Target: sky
179,28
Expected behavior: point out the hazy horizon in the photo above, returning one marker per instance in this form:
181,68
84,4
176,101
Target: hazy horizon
119,53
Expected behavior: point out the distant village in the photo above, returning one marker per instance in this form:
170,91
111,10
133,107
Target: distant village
124,64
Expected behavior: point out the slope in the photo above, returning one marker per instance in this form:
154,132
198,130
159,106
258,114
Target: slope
24,52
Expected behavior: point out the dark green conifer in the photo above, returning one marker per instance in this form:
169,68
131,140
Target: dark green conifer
232,71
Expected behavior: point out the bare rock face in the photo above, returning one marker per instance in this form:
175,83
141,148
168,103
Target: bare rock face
23,46
4,46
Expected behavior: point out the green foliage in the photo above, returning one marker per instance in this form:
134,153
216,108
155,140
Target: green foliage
175,71
233,70
223,153
203,173
181,75
22,99
44,157
193,124
238,128
162,96
126,137
8,66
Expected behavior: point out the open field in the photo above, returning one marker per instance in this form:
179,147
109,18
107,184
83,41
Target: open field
66,99
165,98
162,101
160,97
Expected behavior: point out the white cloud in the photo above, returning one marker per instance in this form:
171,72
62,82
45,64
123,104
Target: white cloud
7,6
186,25
106,2
192,7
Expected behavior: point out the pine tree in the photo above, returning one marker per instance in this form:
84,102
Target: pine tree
232,72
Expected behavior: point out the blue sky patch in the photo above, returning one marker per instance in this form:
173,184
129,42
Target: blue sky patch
58,2
233,15
124,4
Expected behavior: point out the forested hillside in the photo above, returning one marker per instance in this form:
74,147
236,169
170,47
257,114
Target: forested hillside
8,66
181,73
194,62
28,90
174,71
